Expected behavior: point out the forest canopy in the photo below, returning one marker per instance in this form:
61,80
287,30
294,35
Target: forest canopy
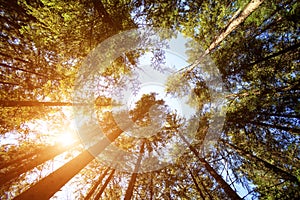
66,131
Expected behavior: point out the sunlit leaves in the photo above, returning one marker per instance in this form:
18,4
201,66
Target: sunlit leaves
44,43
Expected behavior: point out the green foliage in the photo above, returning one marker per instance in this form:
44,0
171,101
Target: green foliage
43,43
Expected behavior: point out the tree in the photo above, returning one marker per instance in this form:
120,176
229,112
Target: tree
99,193
35,159
254,45
228,190
132,181
96,184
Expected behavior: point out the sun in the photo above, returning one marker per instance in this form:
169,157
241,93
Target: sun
66,138
66,135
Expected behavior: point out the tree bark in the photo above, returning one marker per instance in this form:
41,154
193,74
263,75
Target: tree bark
151,187
275,169
8,83
14,58
227,189
98,195
42,157
284,128
23,70
61,176
132,181
283,51
197,186
251,7
4,103
207,192
17,160
99,7
91,192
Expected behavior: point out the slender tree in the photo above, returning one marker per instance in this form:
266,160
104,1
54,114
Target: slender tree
96,184
197,185
229,191
133,177
99,193
35,160
277,170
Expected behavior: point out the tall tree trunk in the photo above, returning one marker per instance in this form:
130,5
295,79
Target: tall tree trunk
283,128
207,192
257,92
91,192
20,159
99,7
283,51
57,179
151,187
275,169
23,70
98,195
4,103
14,58
132,181
197,186
40,158
285,115
227,189
8,83
61,176
233,23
